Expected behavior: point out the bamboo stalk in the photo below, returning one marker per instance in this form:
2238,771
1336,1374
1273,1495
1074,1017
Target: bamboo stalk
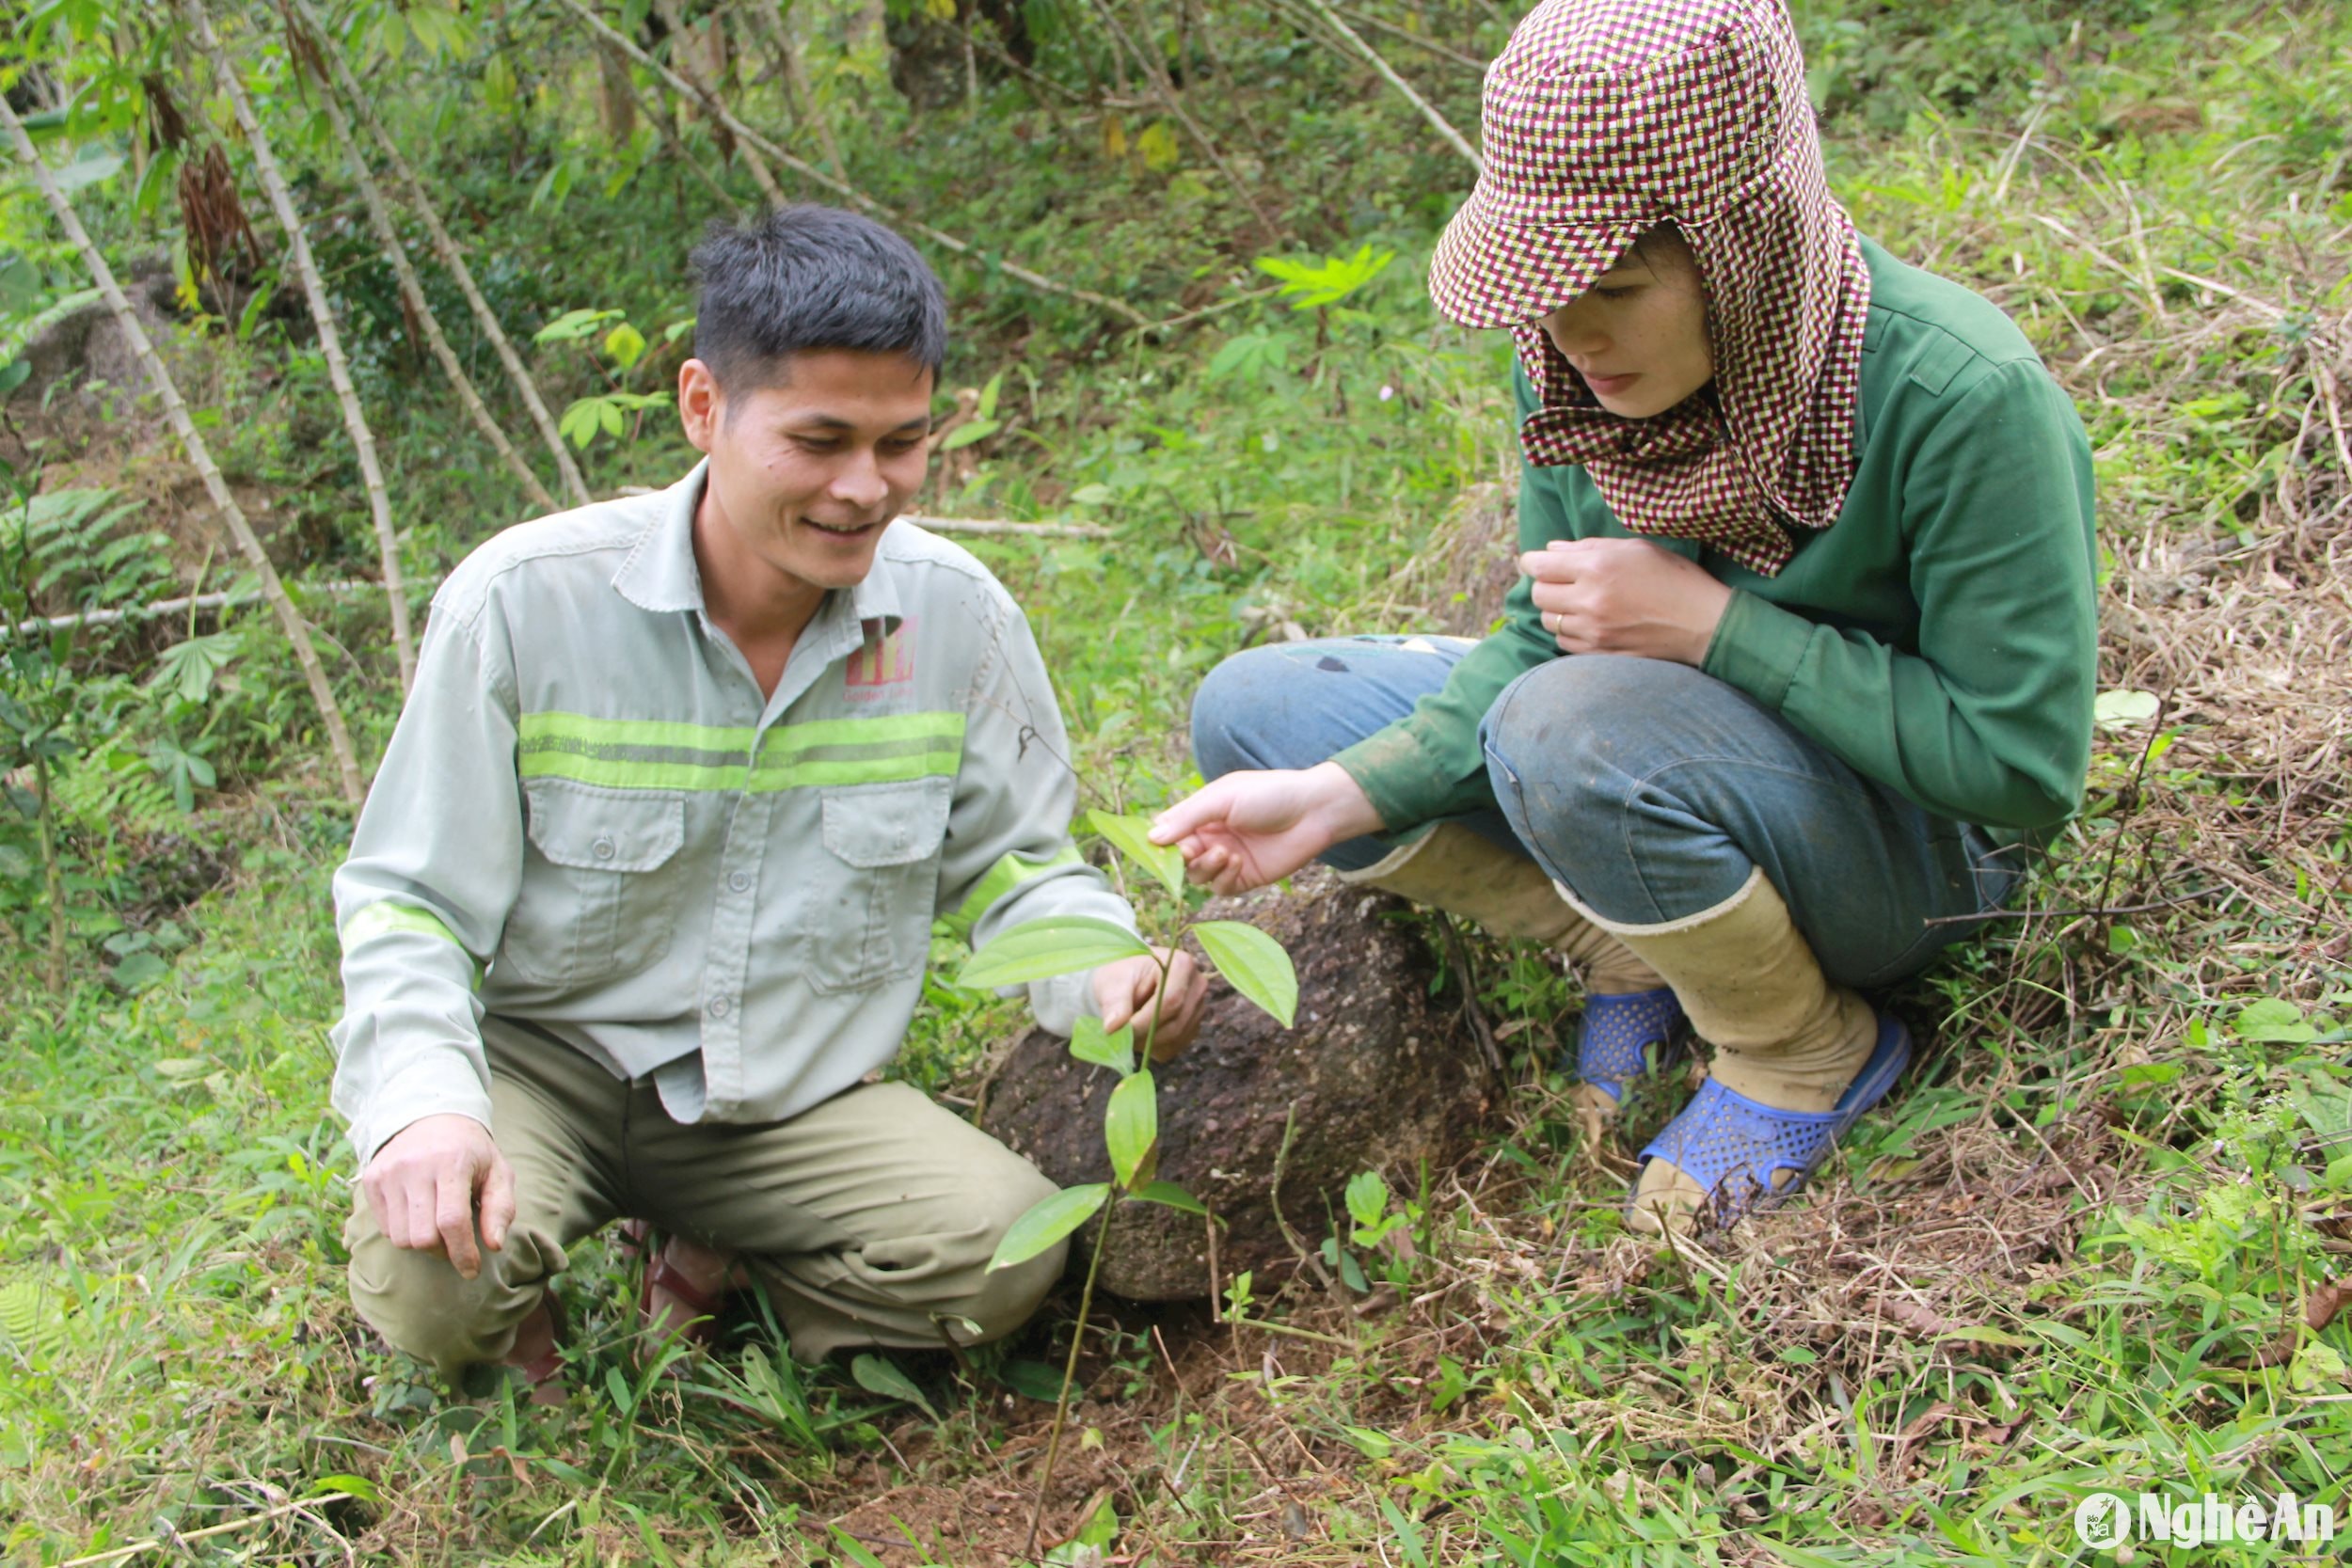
670,139
52,874
176,413
799,94
218,599
682,52
1454,137
451,259
330,341
175,1537
1411,37
380,219
1165,92
758,143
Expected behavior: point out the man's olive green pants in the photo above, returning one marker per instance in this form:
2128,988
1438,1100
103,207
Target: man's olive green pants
870,1219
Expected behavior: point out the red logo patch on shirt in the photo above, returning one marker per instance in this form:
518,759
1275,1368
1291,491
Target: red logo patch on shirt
887,658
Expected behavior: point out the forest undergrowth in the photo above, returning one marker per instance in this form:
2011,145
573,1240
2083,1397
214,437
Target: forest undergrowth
2095,1242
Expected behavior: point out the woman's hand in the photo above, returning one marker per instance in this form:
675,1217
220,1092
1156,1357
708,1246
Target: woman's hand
1246,829
1626,596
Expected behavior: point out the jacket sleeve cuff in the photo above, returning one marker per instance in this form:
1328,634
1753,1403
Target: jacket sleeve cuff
1406,785
402,1107
1757,647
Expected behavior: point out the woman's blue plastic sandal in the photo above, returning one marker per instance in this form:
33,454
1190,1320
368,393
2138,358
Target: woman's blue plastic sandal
1614,1037
1733,1146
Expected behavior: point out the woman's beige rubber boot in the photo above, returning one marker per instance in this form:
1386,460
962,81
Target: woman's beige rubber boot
1455,869
1784,1035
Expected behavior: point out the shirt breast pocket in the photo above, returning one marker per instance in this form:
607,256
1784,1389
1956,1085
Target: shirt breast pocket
872,918
601,897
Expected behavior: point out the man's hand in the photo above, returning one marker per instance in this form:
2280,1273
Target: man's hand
1246,829
423,1183
1129,993
1626,596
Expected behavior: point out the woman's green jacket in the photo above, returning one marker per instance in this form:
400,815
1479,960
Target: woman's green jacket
1940,637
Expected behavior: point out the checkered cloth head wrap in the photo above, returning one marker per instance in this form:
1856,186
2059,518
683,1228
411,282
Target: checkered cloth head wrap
1605,119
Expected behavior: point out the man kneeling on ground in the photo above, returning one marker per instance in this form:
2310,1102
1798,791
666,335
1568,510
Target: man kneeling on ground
642,894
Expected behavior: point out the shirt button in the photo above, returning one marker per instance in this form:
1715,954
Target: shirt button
740,881
717,1007
603,848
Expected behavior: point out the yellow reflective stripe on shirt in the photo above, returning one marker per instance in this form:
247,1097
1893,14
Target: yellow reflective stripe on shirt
374,920
627,753
384,917
552,726
1000,879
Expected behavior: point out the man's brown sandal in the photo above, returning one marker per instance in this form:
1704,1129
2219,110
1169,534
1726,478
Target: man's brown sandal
544,1374
657,1324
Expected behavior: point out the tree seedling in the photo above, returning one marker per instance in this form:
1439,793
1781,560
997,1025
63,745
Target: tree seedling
1252,962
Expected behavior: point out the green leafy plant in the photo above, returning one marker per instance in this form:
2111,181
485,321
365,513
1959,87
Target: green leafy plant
1251,961
1313,285
1377,1228
621,351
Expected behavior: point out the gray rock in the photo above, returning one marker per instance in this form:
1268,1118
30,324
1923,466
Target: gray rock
1377,1075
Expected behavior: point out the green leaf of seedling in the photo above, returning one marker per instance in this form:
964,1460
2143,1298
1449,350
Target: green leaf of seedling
1131,1128
1047,1222
675,330
571,324
1031,1380
140,970
1408,1538
1114,1049
2123,707
1172,1196
1254,964
1040,949
987,409
90,165
877,1375
1367,1197
625,345
1101,1525
965,434
2276,1020
1131,835
1352,1275
346,1487
852,1551
580,422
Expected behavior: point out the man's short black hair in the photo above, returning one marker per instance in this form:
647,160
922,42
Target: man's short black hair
809,278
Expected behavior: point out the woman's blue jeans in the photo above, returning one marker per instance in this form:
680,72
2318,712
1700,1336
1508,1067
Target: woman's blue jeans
1650,789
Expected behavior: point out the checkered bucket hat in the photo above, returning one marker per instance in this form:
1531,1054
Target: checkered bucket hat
1604,119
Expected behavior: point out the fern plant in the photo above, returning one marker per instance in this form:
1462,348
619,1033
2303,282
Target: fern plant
31,1326
82,553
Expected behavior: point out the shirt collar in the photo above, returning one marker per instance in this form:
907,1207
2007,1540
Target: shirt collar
660,575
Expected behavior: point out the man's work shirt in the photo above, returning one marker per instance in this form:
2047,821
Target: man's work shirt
590,821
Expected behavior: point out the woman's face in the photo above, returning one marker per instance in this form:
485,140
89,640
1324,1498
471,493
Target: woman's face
1638,335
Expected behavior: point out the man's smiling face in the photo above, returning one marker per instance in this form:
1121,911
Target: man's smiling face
808,470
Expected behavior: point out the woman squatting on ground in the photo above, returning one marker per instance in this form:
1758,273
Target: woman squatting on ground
1801,665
